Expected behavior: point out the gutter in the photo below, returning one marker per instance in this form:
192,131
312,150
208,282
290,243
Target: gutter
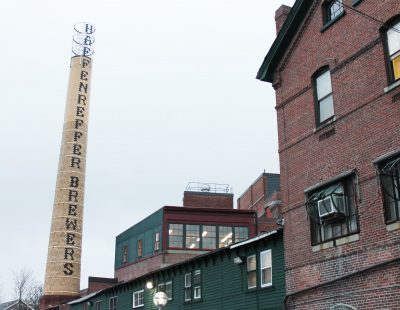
286,299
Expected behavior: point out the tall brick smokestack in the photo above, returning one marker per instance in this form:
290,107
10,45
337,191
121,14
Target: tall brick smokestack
63,269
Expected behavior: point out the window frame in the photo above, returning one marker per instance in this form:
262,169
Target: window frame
269,252
327,229
251,271
197,285
157,241
97,305
392,198
125,254
181,236
192,236
221,242
169,292
317,101
112,303
327,15
209,238
138,293
166,287
393,22
140,248
188,286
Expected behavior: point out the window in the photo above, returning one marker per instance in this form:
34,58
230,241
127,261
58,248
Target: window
266,268
112,303
97,305
241,233
140,248
323,94
332,211
125,254
197,284
225,236
335,9
209,235
175,236
157,241
251,271
138,300
390,183
188,286
193,236
332,9
85,306
393,51
166,288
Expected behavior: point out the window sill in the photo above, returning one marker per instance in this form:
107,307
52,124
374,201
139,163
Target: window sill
325,124
393,226
192,301
340,241
256,289
331,22
392,86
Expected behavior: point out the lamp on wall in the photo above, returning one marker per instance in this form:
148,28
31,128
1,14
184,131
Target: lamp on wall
238,260
149,285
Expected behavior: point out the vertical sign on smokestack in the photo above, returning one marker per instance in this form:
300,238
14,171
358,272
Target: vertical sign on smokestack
63,269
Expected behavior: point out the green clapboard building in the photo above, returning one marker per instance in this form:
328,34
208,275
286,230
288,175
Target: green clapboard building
243,276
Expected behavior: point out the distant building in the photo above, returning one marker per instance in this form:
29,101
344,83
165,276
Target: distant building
335,67
207,221
264,197
16,305
244,275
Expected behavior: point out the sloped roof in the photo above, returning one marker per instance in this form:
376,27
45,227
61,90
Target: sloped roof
283,40
11,304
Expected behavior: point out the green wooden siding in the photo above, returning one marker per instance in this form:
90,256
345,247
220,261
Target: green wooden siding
224,284
145,230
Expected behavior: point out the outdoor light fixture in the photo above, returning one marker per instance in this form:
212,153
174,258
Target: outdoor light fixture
160,300
238,260
149,285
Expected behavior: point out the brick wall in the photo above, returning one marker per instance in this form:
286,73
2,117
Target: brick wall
208,200
366,127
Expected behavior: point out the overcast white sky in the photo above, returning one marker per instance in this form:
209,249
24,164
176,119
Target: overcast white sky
174,99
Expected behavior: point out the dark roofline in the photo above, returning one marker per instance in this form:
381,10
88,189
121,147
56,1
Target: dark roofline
283,40
206,210
256,180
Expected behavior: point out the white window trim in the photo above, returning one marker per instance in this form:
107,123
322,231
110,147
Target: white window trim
253,270
197,272
188,286
133,299
195,292
109,302
97,305
261,268
166,283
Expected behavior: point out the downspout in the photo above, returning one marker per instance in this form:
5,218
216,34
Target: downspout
285,300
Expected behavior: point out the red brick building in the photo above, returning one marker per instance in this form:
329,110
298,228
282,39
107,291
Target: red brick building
335,67
263,196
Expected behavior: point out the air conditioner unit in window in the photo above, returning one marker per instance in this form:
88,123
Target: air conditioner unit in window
328,207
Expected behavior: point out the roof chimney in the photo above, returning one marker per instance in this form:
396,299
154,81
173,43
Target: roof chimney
280,16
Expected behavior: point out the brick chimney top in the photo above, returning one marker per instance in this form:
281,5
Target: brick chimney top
280,16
